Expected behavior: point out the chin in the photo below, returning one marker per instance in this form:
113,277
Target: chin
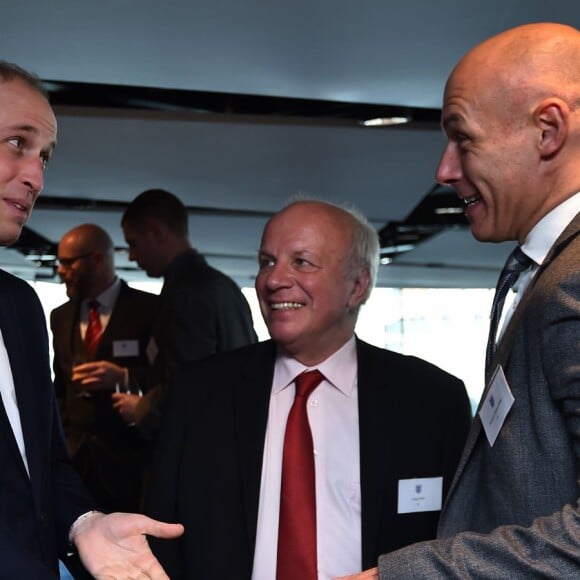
8,238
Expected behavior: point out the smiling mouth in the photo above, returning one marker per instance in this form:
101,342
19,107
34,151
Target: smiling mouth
471,200
19,206
286,305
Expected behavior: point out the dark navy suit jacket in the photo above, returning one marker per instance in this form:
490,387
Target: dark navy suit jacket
36,512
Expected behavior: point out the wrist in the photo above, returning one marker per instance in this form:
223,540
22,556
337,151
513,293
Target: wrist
82,523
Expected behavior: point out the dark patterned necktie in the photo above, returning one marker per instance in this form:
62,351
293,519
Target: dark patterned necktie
94,329
516,263
297,527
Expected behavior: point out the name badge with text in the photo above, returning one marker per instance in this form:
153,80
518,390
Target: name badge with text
496,406
422,494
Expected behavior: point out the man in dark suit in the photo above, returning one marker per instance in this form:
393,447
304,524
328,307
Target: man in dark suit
387,429
44,509
110,456
202,311
511,113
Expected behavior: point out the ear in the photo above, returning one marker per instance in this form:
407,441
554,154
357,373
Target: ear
156,229
98,258
551,116
359,289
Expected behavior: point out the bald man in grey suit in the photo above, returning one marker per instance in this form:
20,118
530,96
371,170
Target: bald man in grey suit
512,117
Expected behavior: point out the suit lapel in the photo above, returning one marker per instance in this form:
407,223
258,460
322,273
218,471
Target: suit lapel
377,430
504,347
30,396
116,325
70,334
251,404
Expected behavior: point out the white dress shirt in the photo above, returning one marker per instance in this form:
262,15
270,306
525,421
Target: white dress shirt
333,417
537,245
9,399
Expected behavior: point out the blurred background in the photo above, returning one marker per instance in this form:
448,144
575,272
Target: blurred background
235,106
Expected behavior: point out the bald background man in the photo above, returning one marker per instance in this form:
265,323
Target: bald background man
110,455
511,114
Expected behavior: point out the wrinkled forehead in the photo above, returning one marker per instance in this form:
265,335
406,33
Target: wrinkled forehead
310,215
23,104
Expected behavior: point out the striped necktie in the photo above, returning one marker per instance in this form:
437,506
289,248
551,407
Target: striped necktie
516,263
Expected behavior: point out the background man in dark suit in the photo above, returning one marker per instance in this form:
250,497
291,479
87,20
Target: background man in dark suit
43,504
385,427
511,113
109,455
202,311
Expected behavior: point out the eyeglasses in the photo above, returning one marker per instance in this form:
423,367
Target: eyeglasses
68,262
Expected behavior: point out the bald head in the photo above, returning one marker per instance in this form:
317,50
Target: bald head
532,61
511,112
86,256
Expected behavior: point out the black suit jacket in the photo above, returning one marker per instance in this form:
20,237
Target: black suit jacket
36,512
110,455
202,312
413,422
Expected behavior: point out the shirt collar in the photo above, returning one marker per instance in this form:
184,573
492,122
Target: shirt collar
107,298
545,233
339,369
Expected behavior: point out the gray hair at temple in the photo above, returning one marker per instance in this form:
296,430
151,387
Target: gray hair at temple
10,71
364,251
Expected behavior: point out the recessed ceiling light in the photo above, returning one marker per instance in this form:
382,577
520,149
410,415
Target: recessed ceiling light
386,121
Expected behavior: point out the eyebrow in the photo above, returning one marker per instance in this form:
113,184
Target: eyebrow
34,130
451,119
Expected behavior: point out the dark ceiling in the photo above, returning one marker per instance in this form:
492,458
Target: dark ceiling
236,106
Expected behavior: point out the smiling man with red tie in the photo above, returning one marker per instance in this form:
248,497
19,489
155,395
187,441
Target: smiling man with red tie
100,347
299,457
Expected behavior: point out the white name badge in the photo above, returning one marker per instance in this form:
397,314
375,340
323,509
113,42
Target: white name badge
125,348
423,494
496,406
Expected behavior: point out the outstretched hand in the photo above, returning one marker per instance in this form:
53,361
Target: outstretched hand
114,546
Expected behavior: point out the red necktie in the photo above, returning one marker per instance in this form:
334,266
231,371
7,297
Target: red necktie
297,527
94,329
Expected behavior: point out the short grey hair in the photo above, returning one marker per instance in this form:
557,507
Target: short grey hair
364,251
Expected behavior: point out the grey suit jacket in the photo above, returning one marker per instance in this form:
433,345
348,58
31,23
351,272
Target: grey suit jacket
513,509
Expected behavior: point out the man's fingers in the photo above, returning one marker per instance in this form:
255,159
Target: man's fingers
162,529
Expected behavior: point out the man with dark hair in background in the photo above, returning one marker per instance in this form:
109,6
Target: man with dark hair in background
43,504
202,311
110,455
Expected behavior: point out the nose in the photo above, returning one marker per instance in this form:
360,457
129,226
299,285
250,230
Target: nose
449,168
274,277
33,175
